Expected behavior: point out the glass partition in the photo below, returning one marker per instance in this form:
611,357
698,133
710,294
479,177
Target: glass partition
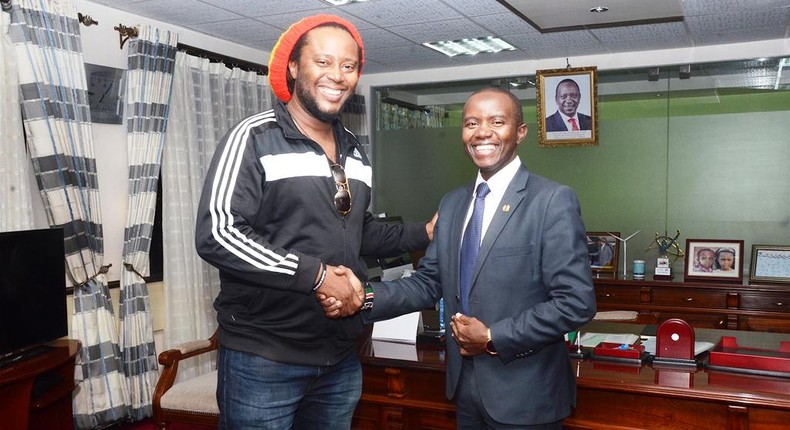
706,153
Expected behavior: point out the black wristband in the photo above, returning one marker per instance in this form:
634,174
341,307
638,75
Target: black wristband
322,278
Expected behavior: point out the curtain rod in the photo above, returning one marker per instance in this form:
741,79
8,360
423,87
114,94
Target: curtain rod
123,30
247,66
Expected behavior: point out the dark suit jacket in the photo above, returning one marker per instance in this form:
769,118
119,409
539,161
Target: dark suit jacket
555,122
531,285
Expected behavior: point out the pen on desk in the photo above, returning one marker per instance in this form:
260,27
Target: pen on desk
578,342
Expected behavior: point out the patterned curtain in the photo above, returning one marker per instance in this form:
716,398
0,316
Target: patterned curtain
208,99
16,212
148,81
59,134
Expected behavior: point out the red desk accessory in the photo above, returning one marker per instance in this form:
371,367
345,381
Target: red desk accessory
675,343
619,352
727,355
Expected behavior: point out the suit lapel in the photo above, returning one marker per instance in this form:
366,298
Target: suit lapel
514,195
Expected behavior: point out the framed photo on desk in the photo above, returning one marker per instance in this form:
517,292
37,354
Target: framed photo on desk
713,260
604,252
770,264
567,107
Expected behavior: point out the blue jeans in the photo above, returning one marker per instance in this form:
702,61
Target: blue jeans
256,393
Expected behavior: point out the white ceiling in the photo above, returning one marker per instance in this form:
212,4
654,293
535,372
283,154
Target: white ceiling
575,14
393,30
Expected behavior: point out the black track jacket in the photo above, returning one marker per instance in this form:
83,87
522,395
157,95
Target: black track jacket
266,219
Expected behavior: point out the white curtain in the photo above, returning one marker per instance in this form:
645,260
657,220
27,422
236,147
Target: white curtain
208,99
16,212
54,100
149,80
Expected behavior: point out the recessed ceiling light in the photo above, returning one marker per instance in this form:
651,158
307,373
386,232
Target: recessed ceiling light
342,2
452,48
599,9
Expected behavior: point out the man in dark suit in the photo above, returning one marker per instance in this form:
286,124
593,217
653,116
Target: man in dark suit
568,96
507,363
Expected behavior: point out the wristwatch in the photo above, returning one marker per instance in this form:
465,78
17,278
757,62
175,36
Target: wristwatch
490,345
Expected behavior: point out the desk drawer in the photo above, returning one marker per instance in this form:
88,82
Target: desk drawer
617,295
690,299
778,302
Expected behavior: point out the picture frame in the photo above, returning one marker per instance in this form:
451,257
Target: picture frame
770,264
713,260
554,128
603,245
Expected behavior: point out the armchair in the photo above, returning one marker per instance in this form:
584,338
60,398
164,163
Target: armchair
193,401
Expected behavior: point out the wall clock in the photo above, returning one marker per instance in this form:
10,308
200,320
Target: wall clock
105,93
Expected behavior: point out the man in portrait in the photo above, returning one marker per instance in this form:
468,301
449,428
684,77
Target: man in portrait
604,252
566,118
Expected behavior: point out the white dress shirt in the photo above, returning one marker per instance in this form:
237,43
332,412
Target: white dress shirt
497,184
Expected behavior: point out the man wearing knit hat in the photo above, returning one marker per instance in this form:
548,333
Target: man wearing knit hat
282,215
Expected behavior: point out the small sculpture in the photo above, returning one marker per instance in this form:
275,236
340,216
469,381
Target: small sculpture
667,245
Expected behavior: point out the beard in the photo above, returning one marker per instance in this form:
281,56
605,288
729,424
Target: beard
311,105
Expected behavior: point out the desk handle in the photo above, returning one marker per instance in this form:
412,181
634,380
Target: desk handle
689,299
779,304
610,295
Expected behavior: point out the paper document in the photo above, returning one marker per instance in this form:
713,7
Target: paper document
398,329
650,346
591,340
403,328
397,272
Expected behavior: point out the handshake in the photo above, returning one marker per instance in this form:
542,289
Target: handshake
341,294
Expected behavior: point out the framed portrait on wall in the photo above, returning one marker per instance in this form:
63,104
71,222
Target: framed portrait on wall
713,260
604,252
567,107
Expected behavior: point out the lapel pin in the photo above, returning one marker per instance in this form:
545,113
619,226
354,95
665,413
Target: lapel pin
506,208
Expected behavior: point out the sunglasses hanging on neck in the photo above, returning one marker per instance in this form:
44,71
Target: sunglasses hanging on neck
343,195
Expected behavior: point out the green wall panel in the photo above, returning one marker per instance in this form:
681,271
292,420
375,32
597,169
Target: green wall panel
712,163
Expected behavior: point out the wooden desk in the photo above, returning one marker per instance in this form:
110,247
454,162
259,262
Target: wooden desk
408,393
35,393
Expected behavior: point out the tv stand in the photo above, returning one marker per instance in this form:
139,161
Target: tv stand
35,388
23,355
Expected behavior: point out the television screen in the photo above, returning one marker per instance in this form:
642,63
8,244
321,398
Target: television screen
32,289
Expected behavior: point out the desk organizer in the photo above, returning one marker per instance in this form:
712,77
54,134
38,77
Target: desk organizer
619,352
727,355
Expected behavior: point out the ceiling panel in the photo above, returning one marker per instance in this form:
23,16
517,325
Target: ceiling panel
394,29
575,13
